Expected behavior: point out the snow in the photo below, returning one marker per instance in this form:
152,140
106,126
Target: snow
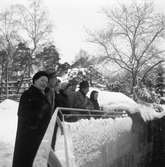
8,122
113,97
86,146
107,97
8,116
8,112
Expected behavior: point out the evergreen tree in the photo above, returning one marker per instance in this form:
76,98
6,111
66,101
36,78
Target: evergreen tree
48,58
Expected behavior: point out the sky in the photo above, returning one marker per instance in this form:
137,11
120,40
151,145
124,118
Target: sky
71,18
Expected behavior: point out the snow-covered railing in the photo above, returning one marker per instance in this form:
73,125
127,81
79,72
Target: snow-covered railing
98,139
75,119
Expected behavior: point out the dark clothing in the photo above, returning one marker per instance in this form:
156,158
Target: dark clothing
34,107
61,99
158,151
34,114
81,100
71,95
95,104
50,94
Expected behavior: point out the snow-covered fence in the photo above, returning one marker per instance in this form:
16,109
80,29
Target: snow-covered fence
13,89
100,139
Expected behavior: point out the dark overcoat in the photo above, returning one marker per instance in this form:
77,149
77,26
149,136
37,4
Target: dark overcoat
82,101
34,114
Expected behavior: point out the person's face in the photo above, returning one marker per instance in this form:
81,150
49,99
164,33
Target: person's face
41,83
95,96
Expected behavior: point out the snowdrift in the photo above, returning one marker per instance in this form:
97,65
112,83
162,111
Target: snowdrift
107,97
8,122
93,143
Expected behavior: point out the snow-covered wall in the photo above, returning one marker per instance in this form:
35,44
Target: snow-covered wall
103,143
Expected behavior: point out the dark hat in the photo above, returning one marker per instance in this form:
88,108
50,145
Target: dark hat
38,75
84,84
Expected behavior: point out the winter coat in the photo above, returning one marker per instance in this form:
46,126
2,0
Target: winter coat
95,104
61,99
81,101
50,94
34,114
71,95
34,107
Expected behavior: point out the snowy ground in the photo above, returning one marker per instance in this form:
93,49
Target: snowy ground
8,126
8,123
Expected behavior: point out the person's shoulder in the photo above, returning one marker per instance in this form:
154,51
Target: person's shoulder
29,92
25,95
26,92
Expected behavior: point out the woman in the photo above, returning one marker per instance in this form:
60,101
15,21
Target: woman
34,114
93,99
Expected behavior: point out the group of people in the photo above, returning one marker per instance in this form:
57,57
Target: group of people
67,95
37,105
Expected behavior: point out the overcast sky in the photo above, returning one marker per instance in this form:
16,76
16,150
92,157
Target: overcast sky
72,17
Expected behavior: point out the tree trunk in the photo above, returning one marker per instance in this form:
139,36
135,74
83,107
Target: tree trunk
133,83
1,92
6,80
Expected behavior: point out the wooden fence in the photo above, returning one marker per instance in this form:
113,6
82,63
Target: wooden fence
13,90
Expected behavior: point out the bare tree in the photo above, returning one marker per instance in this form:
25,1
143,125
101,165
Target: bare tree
82,59
8,39
132,39
22,24
36,29
34,23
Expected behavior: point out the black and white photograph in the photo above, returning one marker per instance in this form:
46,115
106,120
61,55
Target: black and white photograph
82,83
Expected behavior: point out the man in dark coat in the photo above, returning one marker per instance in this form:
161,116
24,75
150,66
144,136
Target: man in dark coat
61,100
80,98
34,114
50,90
62,97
